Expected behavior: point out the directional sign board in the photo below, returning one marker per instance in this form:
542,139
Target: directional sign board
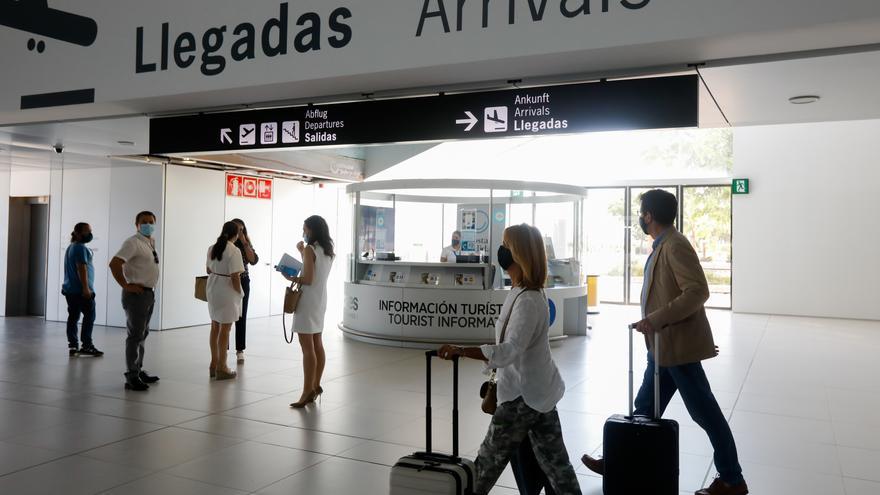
651,103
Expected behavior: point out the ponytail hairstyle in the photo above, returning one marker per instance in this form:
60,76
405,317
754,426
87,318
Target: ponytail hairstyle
320,234
230,230
77,231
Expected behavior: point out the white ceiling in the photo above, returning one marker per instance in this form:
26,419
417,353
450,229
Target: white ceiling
748,93
758,93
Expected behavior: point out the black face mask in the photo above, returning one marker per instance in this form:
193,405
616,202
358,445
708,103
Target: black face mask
456,242
643,225
87,238
505,258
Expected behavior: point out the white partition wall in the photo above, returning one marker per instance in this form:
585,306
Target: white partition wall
194,215
134,187
55,306
4,221
257,215
291,205
805,238
84,198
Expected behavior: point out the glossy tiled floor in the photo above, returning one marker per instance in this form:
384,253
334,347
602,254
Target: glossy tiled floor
802,395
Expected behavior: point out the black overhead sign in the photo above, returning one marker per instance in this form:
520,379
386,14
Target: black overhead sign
652,103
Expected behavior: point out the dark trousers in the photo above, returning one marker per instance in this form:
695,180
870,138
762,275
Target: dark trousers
512,422
530,478
138,311
241,324
691,382
77,305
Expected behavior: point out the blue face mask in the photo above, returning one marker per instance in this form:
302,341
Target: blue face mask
146,229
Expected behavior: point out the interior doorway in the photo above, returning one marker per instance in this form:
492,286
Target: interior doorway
616,249
28,256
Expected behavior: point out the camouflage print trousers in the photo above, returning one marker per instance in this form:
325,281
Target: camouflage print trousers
510,424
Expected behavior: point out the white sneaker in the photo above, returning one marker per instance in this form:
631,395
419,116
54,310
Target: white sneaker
239,356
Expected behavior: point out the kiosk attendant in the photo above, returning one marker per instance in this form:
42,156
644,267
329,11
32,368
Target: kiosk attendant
453,250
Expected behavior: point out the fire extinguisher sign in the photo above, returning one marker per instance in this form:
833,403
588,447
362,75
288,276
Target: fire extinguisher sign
243,186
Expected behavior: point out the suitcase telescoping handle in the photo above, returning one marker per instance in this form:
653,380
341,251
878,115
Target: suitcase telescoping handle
428,356
632,329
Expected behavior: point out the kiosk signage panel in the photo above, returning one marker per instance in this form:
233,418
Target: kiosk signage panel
651,103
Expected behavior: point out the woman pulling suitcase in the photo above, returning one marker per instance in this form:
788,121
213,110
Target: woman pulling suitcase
528,382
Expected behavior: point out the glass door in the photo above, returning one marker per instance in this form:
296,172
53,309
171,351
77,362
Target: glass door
640,244
706,222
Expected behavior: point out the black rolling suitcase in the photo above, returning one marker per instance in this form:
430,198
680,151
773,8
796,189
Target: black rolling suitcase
641,453
431,472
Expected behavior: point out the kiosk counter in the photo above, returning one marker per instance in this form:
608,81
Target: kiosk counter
399,293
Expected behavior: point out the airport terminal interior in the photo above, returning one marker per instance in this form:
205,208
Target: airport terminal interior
421,132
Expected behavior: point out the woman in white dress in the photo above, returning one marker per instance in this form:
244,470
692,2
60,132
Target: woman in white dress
224,266
317,253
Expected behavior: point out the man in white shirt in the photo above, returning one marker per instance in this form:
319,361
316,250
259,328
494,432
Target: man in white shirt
136,269
451,252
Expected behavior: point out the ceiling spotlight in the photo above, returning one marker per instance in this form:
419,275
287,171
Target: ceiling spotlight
125,143
804,99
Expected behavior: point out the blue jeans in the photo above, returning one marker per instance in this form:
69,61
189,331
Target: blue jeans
691,382
79,305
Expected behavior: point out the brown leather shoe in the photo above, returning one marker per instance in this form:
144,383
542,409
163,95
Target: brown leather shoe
595,465
719,487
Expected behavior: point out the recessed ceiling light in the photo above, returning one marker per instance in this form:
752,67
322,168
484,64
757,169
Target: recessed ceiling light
804,99
189,161
126,143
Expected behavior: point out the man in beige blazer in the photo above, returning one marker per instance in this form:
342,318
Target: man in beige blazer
673,295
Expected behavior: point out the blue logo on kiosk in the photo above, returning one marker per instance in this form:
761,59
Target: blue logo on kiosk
552,311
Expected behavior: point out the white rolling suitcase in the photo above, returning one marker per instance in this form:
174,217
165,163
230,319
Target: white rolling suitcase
430,472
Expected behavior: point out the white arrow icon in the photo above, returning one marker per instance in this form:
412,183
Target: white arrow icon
224,136
471,121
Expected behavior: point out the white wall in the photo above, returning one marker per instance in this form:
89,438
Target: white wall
805,239
4,230
133,188
55,307
257,216
84,198
194,215
292,203
25,182
106,194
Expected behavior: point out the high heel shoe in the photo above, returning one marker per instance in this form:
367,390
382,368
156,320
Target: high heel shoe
317,394
303,403
225,375
212,373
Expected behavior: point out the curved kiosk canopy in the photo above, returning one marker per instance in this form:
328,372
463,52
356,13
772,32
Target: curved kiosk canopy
410,284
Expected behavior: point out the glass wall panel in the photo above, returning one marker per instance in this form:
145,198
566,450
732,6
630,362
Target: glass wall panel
706,221
605,233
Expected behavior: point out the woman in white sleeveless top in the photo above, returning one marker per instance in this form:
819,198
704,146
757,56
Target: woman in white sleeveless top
224,266
317,253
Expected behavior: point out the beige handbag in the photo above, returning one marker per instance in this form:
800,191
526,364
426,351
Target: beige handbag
291,300
201,289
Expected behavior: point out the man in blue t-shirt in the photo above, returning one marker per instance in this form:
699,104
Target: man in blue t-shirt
79,290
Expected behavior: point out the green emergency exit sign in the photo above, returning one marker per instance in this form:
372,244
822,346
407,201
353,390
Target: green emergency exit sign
740,186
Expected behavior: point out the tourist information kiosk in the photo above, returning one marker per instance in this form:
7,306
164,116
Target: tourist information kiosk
398,292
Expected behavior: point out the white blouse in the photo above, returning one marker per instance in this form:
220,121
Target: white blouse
524,361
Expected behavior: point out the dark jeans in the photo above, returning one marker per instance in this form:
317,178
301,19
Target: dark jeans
241,324
138,311
530,478
79,305
691,382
